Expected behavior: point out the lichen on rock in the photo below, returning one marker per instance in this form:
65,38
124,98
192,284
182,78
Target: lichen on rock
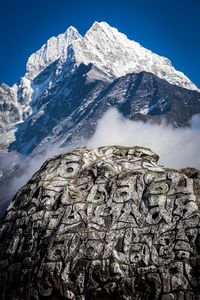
106,223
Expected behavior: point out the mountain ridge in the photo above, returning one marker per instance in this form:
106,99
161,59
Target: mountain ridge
62,55
142,95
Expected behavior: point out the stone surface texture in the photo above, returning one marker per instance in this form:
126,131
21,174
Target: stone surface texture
106,223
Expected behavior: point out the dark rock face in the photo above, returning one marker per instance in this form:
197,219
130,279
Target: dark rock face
58,113
108,223
71,109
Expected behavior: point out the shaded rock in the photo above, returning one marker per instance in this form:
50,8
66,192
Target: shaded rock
106,223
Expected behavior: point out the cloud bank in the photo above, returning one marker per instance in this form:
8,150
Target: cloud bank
177,148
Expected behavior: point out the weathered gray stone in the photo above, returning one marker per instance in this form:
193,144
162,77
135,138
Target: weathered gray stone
106,223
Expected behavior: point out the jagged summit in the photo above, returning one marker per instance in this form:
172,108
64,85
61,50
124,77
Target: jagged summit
109,50
115,55
55,48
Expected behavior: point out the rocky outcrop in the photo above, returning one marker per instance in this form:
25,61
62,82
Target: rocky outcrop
9,109
108,223
10,113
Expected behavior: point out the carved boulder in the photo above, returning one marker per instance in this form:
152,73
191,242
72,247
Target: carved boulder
106,223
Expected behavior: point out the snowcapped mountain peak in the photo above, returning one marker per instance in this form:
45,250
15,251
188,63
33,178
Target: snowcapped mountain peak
55,48
71,34
72,29
111,54
115,55
100,25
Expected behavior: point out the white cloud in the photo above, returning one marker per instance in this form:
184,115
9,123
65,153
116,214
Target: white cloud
177,148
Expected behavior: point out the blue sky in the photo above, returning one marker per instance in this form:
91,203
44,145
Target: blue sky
167,27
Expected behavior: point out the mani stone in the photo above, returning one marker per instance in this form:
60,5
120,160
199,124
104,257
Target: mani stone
106,223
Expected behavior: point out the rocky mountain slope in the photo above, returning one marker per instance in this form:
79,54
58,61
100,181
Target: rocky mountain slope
106,223
67,115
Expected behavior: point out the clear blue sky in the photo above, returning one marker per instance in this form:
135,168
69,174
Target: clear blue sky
167,27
